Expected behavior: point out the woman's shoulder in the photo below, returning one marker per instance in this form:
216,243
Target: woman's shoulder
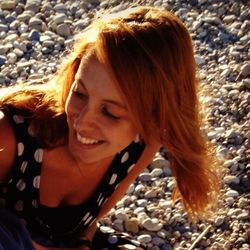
7,145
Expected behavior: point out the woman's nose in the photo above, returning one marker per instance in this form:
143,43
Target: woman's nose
85,119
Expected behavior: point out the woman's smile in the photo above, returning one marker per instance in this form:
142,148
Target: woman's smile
86,140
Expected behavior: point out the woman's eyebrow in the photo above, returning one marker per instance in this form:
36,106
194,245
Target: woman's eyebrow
79,80
117,103
120,105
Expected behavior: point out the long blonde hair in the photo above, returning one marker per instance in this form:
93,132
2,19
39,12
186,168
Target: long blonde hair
149,54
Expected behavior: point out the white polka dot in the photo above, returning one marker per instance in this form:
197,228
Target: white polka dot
99,197
129,247
125,157
38,155
18,119
19,205
31,130
88,220
130,168
86,216
34,203
21,185
91,223
137,138
137,243
20,148
116,186
113,179
36,182
100,202
24,166
112,239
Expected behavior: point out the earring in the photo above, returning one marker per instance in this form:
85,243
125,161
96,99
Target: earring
137,138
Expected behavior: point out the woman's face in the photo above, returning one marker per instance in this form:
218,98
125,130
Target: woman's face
99,123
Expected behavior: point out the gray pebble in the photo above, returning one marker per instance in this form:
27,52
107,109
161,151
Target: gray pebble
2,78
231,179
219,221
4,27
8,4
232,193
2,60
63,30
152,224
244,215
245,70
145,177
59,18
158,241
144,238
11,58
33,5
142,203
34,35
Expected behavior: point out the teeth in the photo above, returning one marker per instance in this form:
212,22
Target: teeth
85,140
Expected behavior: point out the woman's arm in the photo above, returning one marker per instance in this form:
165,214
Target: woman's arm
143,162
7,146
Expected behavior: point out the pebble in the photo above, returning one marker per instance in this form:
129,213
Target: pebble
142,203
144,238
166,204
245,70
63,30
231,179
219,221
34,35
4,28
121,214
159,162
2,60
171,185
158,241
145,177
229,163
11,58
8,5
59,18
132,225
244,215
157,172
152,224
232,193
11,38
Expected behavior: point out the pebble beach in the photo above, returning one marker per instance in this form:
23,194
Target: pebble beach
35,35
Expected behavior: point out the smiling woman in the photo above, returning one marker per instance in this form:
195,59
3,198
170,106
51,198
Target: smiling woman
71,147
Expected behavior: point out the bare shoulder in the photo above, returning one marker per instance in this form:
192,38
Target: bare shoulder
7,146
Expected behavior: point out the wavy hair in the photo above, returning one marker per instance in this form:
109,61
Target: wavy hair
149,54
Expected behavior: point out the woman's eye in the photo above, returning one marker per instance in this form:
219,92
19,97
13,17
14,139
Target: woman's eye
79,94
110,115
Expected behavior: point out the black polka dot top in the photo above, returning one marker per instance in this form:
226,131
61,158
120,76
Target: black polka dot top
61,226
